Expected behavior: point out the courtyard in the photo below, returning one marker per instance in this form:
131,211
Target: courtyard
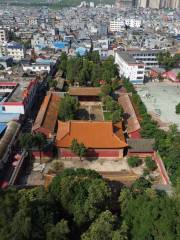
161,100
90,111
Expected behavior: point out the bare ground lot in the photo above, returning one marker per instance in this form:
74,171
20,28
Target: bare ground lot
90,111
113,170
161,100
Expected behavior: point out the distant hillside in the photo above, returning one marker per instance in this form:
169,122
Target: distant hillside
53,3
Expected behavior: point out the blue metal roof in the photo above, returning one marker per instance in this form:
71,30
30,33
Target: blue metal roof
2,127
6,117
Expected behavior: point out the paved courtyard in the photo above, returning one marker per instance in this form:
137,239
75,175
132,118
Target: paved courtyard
161,100
90,111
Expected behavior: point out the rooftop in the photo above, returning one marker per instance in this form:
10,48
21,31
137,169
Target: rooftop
47,115
94,134
140,145
84,91
129,113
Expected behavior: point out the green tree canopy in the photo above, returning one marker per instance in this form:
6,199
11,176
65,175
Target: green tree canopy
68,108
82,193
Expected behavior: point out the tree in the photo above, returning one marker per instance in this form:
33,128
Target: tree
178,75
82,193
26,140
117,115
39,140
141,184
150,164
68,108
178,108
106,89
78,148
134,161
102,228
63,62
166,60
60,231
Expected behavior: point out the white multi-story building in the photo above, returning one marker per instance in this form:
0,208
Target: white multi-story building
3,36
17,98
15,50
117,25
143,3
148,57
155,3
36,67
130,68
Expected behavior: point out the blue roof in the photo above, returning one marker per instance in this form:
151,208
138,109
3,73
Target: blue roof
81,51
2,127
6,117
59,44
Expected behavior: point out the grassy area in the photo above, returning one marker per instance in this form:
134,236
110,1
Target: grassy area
107,116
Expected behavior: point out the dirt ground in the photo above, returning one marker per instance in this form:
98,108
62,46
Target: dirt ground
90,111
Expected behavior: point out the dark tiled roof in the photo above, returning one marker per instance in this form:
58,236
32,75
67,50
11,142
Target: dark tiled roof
140,145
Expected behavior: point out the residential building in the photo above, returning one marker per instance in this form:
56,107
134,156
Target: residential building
17,98
148,57
3,36
154,3
143,3
8,139
130,68
46,119
36,67
15,50
117,25
124,4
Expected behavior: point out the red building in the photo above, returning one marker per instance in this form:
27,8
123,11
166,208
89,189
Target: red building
130,118
85,93
102,139
46,119
141,147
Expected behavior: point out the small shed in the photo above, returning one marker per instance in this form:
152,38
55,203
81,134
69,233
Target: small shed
141,147
85,93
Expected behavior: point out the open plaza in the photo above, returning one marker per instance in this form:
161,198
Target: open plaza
161,100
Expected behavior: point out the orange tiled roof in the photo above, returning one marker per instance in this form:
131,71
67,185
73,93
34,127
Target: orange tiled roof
93,134
84,91
131,118
47,115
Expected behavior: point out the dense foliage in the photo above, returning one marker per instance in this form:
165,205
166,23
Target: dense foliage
78,205
78,149
134,161
178,108
113,108
150,164
167,143
68,108
55,4
90,70
167,61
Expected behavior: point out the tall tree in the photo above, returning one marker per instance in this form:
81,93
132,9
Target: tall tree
68,108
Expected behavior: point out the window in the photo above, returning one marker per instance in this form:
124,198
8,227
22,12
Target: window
3,108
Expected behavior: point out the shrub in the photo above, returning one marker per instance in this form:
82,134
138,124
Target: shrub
134,161
178,108
150,164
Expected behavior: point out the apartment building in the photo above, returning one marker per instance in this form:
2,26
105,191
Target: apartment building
130,68
148,57
117,25
3,36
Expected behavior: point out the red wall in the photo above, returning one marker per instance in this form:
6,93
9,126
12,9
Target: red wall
141,155
92,153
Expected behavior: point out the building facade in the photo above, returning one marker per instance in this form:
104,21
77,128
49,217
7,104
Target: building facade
130,68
